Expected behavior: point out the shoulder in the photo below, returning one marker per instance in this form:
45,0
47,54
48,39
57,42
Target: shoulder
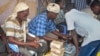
41,17
86,9
72,11
9,22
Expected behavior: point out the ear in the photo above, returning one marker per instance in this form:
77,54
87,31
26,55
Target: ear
97,7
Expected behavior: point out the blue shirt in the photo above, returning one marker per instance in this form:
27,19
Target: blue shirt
40,25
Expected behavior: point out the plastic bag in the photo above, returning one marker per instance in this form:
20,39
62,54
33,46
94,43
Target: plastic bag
70,49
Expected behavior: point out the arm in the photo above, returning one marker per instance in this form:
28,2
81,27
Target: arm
75,40
48,38
19,43
71,26
31,38
52,28
40,28
10,33
59,34
14,41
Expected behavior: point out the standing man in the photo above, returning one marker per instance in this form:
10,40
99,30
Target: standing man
87,27
93,9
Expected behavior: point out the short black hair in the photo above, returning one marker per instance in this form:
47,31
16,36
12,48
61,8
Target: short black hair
95,3
69,6
58,1
88,2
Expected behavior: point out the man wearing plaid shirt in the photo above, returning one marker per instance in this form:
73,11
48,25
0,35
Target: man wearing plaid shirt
43,23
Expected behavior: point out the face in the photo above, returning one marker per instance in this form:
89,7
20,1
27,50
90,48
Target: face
23,14
52,15
61,5
96,10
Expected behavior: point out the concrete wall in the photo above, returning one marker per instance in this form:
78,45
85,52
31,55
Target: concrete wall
6,7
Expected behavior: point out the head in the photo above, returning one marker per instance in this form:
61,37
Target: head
52,10
95,6
21,11
68,8
60,3
22,15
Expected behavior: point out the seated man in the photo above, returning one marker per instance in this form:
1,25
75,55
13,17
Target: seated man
43,23
60,19
15,28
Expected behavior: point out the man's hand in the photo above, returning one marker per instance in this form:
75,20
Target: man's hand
36,39
34,44
77,52
64,37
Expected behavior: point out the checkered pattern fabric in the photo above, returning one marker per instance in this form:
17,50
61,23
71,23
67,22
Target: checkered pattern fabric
40,25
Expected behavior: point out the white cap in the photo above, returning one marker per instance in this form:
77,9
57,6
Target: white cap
53,7
21,6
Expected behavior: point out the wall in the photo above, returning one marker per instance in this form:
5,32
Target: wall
6,7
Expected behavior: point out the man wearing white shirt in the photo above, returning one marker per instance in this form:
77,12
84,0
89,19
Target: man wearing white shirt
86,26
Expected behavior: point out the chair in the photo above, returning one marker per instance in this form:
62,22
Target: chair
5,45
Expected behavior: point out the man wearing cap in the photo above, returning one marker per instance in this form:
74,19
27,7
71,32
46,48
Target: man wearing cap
15,29
43,23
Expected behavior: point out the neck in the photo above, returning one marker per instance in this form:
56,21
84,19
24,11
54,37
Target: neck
20,21
48,15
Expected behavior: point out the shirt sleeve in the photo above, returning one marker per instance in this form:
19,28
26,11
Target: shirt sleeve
70,22
52,26
9,28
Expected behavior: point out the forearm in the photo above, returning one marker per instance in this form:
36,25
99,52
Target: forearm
75,40
29,38
47,38
14,41
57,33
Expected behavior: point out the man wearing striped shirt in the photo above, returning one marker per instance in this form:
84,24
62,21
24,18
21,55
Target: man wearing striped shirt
15,29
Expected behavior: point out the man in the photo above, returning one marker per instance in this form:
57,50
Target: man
60,20
43,23
87,27
93,9
15,28
60,16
